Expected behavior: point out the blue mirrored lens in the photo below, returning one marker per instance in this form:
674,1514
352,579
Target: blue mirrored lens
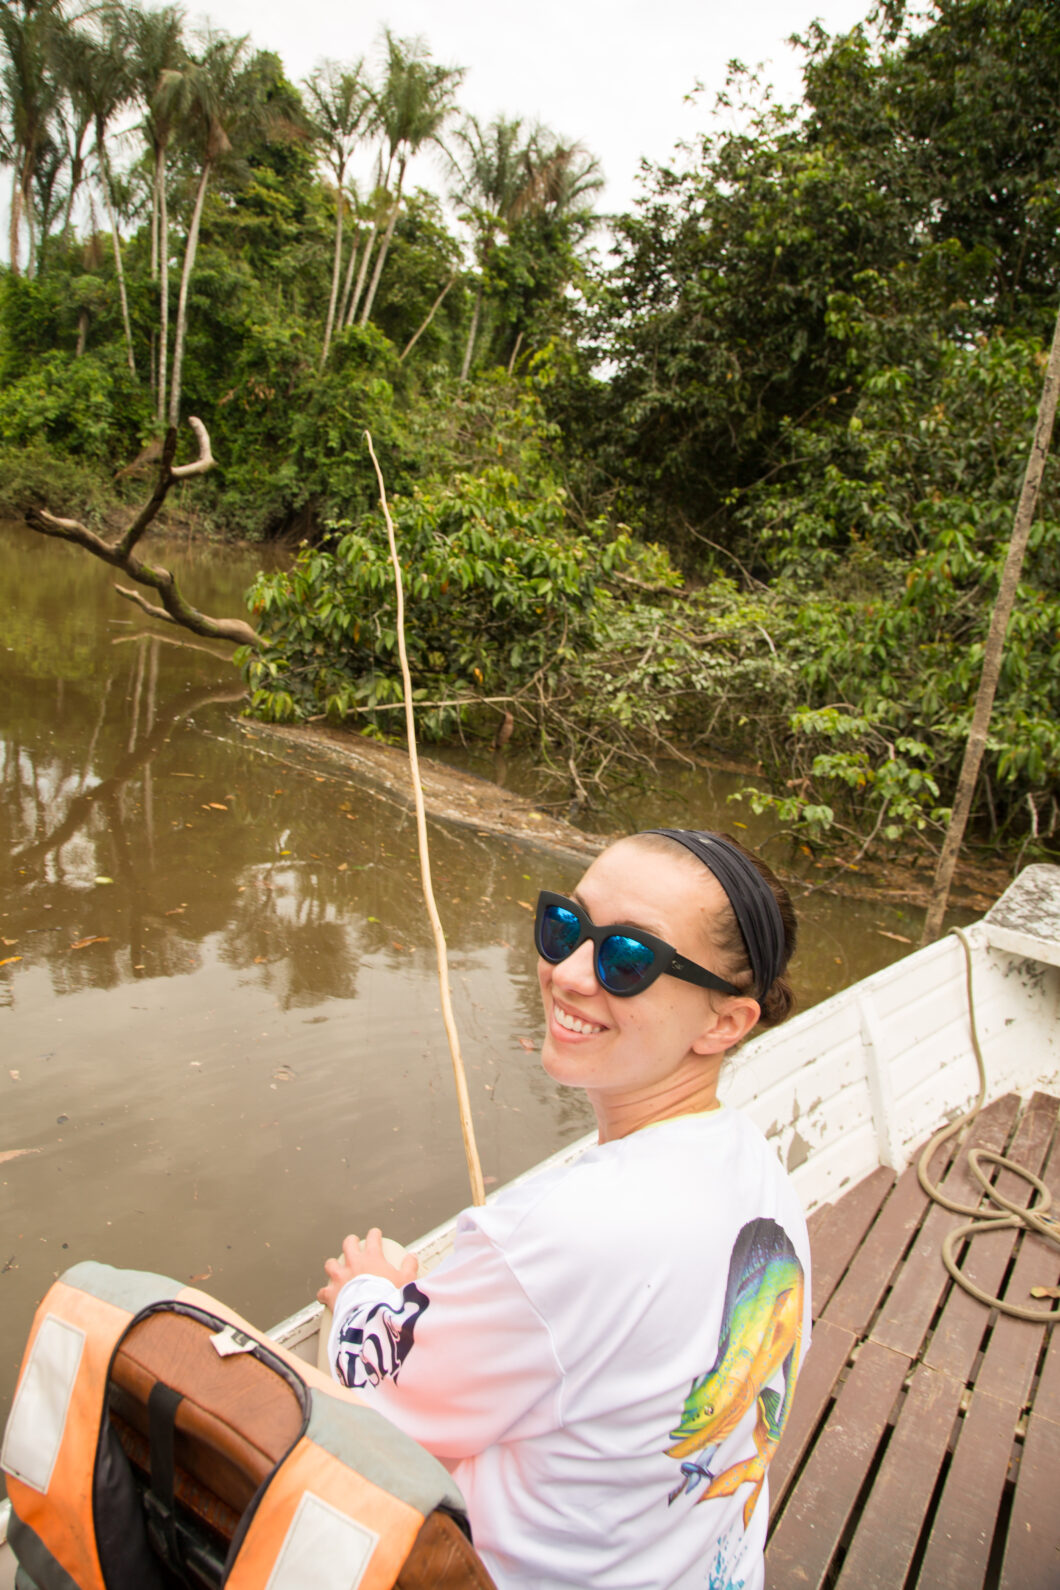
624,963
560,933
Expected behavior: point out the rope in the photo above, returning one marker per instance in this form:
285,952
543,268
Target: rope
1009,1216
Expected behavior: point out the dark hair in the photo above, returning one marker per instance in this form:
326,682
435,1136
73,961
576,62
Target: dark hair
777,1002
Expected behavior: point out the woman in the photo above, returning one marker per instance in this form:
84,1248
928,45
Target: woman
607,1359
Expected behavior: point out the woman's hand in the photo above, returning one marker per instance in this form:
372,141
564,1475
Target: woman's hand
366,1260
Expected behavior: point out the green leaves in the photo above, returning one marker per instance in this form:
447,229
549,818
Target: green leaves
491,577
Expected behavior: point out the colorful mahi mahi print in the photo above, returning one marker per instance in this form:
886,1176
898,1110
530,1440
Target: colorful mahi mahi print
761,1334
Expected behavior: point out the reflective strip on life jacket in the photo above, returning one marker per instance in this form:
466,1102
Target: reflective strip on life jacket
46,1452
320,1523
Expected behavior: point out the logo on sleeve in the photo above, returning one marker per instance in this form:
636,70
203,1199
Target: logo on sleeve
374,1343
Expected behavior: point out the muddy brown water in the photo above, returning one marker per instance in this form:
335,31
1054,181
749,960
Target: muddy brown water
220,1046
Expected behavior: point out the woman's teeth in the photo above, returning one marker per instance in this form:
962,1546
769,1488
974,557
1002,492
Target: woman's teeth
574,1023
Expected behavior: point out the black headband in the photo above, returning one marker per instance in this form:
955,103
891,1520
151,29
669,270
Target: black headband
753,901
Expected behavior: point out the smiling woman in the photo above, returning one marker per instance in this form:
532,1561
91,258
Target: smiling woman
607,1360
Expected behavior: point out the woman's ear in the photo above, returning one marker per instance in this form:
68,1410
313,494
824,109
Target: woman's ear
731,1022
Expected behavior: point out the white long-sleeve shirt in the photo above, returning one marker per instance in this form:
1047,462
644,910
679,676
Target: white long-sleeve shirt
592,1360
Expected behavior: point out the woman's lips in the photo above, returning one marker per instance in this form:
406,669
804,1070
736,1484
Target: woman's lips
570,1024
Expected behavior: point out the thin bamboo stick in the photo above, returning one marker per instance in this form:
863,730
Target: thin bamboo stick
474,1167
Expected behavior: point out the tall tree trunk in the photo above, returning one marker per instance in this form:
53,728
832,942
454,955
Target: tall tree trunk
82,333
472,334
15,224
993,652
119,268
380,259
77,166
416,335
365,257
182,302
31,233
163,292
384,246
336,271
160,158
348,283
515,354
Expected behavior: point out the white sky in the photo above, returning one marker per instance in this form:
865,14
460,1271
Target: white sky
612,74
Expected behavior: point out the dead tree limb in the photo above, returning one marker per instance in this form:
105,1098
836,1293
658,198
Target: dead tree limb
175,608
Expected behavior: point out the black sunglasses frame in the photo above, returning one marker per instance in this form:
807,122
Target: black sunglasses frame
667,961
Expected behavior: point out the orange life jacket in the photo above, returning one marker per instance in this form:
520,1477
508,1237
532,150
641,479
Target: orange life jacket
156,1439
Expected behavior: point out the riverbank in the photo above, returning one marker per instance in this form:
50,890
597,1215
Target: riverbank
811,861
473,801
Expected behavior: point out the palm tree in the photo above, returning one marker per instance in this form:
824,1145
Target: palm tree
219,103
340,106
30,95
376,207
158,70
93,74
72,66
560,176
491,186
416,101
111,89
505,183
48,195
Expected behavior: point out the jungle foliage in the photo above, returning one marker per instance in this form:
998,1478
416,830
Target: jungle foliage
741,476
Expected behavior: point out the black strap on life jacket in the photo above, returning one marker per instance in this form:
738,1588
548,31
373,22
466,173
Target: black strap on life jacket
162,1405
178,1551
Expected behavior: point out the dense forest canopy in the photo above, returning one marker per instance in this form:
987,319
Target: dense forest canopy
736,468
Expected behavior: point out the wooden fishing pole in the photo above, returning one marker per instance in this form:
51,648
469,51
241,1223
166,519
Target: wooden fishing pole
474,1167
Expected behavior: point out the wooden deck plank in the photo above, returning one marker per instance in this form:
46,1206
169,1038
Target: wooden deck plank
1032,1550
882,1550
959,1332
838,1230
962,1535
907,1312
825,1360
1047,1395
870,1272
1014,1347
809,1531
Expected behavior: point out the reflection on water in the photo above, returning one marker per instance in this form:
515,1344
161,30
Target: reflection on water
219,1009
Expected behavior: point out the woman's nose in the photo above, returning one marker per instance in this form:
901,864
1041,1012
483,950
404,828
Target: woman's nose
578,971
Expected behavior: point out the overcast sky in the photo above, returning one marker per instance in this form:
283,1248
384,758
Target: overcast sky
613,74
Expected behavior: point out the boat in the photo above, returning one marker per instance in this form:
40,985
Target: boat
852,1088
864,1078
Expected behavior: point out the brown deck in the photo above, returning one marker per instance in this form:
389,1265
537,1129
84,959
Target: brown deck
923,1448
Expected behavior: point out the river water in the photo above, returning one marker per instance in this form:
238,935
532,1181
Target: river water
220,1046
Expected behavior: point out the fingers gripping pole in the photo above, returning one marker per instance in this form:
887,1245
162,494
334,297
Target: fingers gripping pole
474,1168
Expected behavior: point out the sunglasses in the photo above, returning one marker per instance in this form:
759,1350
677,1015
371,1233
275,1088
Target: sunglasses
626,959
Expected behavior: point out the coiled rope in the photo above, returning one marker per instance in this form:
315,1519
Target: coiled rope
1009,1216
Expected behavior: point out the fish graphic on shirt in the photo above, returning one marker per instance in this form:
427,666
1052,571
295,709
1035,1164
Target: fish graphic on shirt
760,1337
